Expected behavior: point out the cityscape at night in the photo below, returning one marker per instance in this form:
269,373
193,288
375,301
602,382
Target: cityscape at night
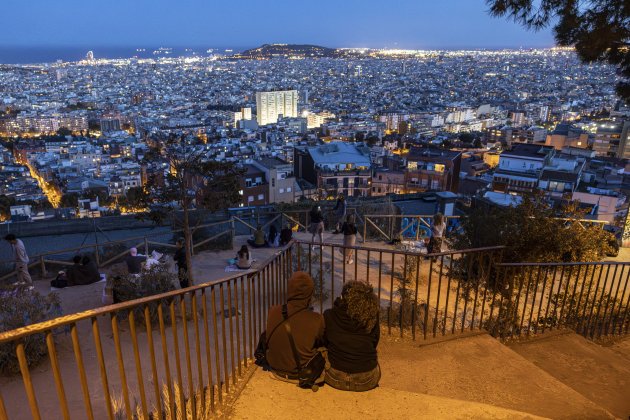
346,211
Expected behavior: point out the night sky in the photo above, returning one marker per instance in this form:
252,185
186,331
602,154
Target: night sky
249,23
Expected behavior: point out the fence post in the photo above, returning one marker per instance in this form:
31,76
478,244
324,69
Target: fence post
43,265
97,257
364,229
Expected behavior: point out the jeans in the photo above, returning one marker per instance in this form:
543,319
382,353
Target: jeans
22,273
356,382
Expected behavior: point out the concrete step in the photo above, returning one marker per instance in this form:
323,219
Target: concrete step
267,398
601,374
480,369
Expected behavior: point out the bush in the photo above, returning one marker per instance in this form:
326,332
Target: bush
153,282
20,307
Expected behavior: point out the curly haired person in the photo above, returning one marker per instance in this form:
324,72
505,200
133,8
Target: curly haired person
351,336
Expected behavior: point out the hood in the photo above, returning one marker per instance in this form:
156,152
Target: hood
300,289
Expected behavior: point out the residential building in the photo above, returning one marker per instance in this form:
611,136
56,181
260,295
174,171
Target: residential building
336,167
519,168
608,138
566,135
271,105
385,181
254,187
279,177
430,169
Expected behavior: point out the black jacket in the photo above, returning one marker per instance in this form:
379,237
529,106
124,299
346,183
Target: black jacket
350,348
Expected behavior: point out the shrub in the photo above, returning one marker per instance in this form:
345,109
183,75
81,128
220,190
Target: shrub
152,282
20,307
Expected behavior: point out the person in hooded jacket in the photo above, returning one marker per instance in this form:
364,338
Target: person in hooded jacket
351,336
307,329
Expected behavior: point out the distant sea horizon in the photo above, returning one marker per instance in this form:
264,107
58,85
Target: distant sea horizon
51,54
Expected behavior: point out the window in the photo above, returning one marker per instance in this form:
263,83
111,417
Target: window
289,189
258,180
250,198
281,190
273,182
248,182
261,197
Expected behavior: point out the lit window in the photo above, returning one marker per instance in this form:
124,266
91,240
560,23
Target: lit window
261,197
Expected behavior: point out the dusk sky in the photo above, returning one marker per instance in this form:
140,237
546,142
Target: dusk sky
249,23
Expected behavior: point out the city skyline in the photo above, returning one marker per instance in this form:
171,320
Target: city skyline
452,24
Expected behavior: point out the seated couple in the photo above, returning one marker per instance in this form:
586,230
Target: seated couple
82,272
349,331
135,261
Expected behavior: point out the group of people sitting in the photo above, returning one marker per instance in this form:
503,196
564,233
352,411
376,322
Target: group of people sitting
82,271
345,336
272,239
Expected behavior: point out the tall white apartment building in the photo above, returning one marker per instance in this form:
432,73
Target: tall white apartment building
269,105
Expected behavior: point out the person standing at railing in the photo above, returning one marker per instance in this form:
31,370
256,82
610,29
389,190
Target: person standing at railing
340,212
349,230
21,259
437,233
181,263
317,224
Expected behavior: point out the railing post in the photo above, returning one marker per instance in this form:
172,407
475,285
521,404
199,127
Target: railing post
365,229
146,246
232,229
43,265
97,258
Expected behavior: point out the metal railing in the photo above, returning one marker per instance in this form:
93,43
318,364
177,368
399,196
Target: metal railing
591,298
106,253
389,227
189,349
435,294
192,365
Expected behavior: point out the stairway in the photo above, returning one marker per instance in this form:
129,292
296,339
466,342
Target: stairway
469,377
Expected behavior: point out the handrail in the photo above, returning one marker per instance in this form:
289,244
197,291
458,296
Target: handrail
91,313
414,254
131,238
104,310
562,264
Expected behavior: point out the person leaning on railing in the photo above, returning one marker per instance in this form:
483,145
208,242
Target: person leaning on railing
351,336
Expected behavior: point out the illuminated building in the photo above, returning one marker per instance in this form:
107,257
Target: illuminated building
270,105
607,138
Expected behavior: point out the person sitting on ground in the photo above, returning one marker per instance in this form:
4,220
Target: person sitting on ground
134,261
286,234
351,336
273,239
307,329
243,260
73,271
87,273
259,238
